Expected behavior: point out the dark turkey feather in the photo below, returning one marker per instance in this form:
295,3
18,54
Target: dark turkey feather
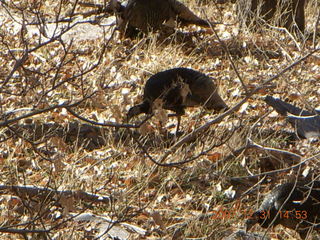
152,15
307,124
295,206
179,88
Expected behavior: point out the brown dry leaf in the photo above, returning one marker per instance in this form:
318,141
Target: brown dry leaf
191,124
176,198
23,163
132,163
185,90
314,59
59,143
39,178
294,96
67,202
28,120
116,113
154,177
158,219
145,129
178,234
3,218
120,80
12,201
261,91
159,113
99,101
282,174
157,104
213,157
143,216
57,117
175,190
208,31
89,160
129,181
58,165
94,116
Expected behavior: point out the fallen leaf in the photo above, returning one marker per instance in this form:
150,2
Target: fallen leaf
213,157
157,219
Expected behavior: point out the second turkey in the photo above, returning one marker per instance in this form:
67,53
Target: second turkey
177,89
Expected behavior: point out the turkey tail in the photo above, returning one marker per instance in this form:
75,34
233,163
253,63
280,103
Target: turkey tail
185,15
307,124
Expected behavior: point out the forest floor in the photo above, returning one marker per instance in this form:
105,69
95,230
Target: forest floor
59,81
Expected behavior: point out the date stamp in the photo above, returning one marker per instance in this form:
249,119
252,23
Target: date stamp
226,214
237,211
285,214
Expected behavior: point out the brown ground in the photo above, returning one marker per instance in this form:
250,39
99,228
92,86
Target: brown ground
48,149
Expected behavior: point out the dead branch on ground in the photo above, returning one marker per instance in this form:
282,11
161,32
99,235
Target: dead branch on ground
45,193
200,130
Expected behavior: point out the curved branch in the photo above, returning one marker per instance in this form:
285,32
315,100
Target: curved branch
39,111
107,124
269,173
200,130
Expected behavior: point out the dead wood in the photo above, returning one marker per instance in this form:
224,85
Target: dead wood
46,193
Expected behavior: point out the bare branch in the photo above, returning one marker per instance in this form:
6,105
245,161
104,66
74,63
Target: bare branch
230,59
278,170
29,191
108,124
22,231
39,111
200,130
187,160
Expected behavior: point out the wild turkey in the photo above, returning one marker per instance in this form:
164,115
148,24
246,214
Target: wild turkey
295,206
289,13
152,15
179,88
306,124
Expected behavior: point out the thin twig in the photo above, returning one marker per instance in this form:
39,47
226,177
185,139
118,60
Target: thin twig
279,170
108,124
29,191
230,58
316,27
200,130
22,231
39,111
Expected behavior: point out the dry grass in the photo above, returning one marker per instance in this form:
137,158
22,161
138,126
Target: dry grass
120,168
